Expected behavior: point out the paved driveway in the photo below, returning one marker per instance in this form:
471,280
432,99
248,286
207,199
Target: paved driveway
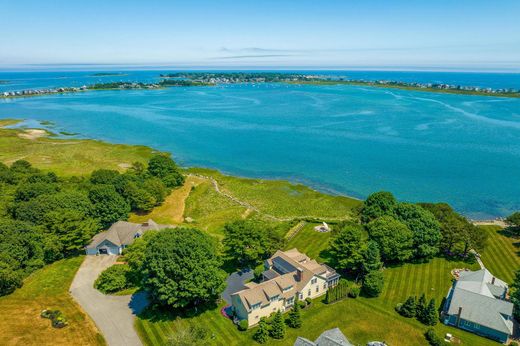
113,315
235,283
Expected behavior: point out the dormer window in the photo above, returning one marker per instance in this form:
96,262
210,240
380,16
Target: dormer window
255,306
274,299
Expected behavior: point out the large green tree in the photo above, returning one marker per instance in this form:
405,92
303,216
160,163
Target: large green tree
163,167
376,205
109,206
514,219
394,238
373,283
347,247
181,268
278,326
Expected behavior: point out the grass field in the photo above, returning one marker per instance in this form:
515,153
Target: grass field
46,288
310,242
67,156
501,253
283,199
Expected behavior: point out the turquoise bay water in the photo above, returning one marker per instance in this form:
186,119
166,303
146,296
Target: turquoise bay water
464,150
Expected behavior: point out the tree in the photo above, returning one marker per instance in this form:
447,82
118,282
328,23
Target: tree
109,206
430,315
347,247
278,326
372,257
73,229
514,219
373,283
394,238
181,268
163,167
10,280
249,242
104,176
433,339
420,307
25,192
425,228
262,332
515,295
295,318
408,309
376,205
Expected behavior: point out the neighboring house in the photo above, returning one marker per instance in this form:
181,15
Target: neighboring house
120,235
331,337
477,303
287,275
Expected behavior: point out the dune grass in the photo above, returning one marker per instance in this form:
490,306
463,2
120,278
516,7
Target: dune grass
46,288
67,157
501,255
283,199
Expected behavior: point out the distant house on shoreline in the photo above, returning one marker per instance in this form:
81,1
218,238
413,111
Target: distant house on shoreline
287,275
120,235
477,303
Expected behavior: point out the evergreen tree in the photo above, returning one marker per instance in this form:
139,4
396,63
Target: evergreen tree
372,257
278,326
430,315
420,308
515,295
295,318
262,333
408,309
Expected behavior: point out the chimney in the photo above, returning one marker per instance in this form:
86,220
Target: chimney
458,315
299,274
493,280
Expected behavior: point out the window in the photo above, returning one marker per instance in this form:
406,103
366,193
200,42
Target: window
255,306
313,281
274,299
325,286
290,301
317,289
301,296
309,293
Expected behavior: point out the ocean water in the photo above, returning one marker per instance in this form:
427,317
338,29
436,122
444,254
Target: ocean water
464,150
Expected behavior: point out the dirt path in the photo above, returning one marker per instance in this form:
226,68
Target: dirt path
500,223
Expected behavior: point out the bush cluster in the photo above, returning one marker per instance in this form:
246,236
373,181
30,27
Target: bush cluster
424,313
58,320
115,278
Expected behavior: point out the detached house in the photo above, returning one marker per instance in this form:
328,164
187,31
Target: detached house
120,235
477,303
287,275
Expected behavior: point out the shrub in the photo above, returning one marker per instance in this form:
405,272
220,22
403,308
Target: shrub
513,343
56,317
243,325
308,301
262,333
408,308
373,283
114,278
354,291
295,318
278,326
433,338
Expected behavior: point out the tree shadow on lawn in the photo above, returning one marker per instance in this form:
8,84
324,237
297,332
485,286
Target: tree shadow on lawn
155,313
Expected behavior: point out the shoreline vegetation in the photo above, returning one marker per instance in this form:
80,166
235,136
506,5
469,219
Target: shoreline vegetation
190,79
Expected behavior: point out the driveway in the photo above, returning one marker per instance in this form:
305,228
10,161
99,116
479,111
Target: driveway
113,315
235,283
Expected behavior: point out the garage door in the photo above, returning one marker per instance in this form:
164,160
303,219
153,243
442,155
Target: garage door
103,251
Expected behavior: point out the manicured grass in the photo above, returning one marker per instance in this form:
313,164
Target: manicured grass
172,209
501,253
46,288
283,199
70,156
310,242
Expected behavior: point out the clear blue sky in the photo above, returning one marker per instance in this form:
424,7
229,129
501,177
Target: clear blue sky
459,34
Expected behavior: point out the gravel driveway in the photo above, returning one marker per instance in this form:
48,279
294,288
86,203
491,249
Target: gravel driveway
113,315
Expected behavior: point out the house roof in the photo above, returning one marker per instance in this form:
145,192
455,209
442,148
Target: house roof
124,233
475,293
284,279
331,337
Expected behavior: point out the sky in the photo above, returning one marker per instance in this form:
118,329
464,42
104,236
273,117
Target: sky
396,34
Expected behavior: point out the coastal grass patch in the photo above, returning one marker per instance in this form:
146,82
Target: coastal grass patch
46,288
501,254
171,211
283,199
67,157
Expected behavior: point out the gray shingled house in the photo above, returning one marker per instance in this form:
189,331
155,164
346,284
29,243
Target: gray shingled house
120,235
477,303
331,337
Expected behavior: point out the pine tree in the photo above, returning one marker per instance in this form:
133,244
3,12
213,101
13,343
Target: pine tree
430,316
278,326
408,309
295,318
262,333
420,308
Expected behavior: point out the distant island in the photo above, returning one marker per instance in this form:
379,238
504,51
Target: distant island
298,78
107,74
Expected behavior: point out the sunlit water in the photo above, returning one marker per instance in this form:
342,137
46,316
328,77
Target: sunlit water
464,150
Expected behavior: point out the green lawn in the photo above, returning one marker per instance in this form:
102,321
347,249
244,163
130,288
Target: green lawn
310,242
46,288
283,199
67,156
501,253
